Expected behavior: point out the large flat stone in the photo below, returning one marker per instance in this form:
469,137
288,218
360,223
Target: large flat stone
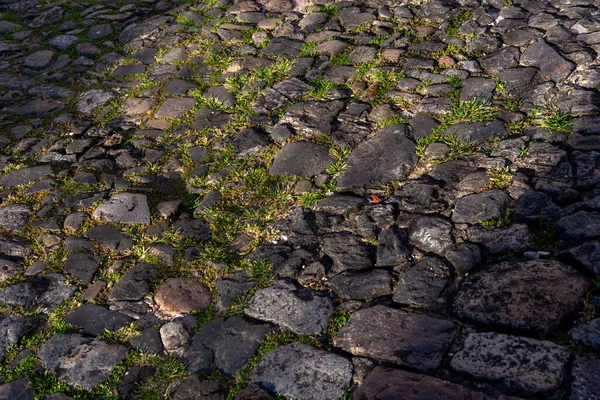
300,371
388,156
182,295
524,366
25,175
392,384
551,64
479,207
225,345
312,118
396,336
301,159
126,208
134,284
532,296
302,311
95,320
80,361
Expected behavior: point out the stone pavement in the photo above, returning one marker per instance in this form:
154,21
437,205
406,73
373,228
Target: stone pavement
301,199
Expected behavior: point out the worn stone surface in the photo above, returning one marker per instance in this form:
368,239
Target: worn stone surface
301,371
12,329
181,295
302,159
502,295
79,361
302,311
126,208
525,366
225,345
387,156
95,320
584,386
388,383
397,337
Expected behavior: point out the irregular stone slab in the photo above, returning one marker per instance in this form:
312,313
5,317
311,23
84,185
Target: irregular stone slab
126,208
431,234
209,118
225,345
348,252
524,366
301,159
585,384
8,269
249,142
194,387
269,100
14,216
17,390
92,99
478,207
506,58
302,311
233,286
352,17
175,337
551,64
340,204
423,283
312,118
387,156
586,255
133,378
587,333
532,296
137,106
222,95
110,237
95,320
283,47
293,88
14,248
362,285
45,292
12,329
300,371
175,108
331,47
388,384
182,295
142,30
579,226
396,336
134,284
514,238
39,59
82,266
392,248
478,132
585,143
80,361
149,342
24,176
63,42
100,31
